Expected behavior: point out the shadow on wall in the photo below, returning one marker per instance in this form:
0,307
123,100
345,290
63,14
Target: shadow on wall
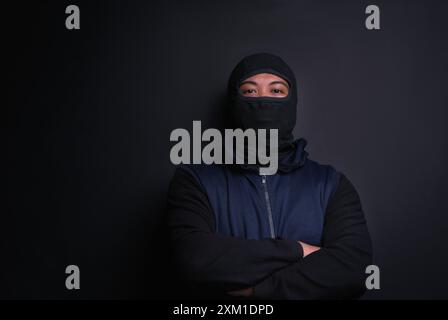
168,275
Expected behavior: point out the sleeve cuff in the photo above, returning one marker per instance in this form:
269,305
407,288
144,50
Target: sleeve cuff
295,247
264,289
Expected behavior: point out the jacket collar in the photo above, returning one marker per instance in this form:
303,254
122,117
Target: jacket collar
289,160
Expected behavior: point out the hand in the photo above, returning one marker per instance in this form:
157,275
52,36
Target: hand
307,248
242,292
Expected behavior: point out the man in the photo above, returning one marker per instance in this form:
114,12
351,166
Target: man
298,234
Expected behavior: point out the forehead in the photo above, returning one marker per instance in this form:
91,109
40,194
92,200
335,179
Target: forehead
265,78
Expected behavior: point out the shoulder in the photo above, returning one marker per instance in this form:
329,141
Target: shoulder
333,184
202,173
323,173
199,170
325,178
345,189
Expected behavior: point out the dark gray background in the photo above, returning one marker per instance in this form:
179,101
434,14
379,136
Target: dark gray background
90,112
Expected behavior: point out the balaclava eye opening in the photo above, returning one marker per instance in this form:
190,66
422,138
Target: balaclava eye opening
264,112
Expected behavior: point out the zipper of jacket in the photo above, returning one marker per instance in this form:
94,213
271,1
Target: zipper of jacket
268,206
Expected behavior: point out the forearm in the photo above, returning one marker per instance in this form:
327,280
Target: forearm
321,275
205,257
337,270
232,263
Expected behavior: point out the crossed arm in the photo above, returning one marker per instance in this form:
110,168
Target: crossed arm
270,268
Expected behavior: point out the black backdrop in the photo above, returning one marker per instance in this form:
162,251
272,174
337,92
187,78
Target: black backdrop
90,112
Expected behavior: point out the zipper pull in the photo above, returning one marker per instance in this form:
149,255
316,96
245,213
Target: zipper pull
263,179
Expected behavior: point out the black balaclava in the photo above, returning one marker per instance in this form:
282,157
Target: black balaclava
264,112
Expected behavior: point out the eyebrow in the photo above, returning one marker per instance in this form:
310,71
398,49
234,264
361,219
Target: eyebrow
280,82
273,82
248,82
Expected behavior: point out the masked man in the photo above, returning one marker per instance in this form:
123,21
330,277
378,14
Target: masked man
297,234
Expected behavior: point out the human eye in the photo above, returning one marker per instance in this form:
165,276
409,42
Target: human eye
279,91
248,91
